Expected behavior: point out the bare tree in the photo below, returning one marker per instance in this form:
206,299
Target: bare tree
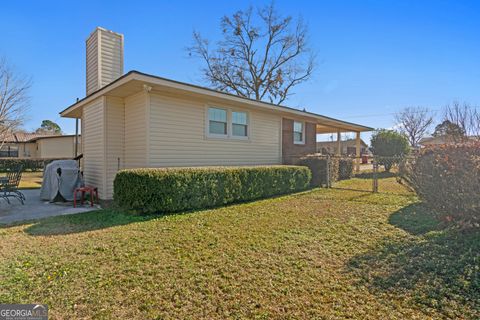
414,122
465,116
14,99
262,55
475,123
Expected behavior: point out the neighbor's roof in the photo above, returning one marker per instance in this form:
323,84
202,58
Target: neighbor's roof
138,79
18,137
23,137
347,142
443,140
54,136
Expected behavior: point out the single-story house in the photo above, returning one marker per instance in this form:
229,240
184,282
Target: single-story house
18,145
430,141
38,146
136,120
53,147
345,147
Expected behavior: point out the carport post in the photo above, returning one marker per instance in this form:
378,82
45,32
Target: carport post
339,139
357,152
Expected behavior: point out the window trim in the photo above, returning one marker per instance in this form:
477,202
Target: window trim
229,135
303,132
231,125
215,135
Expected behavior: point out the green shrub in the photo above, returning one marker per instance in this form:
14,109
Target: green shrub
447,178
318,166
389,145
177,189
345,168
27,163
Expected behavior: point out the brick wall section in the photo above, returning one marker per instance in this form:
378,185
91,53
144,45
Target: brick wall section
292,152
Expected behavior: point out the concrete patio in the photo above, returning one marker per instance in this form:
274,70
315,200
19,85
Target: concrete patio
35,208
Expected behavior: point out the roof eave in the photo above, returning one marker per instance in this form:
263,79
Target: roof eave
78,104
136,75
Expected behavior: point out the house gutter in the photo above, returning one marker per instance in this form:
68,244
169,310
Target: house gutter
135,75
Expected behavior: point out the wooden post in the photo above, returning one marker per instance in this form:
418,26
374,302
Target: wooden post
375,176
357,152
339,139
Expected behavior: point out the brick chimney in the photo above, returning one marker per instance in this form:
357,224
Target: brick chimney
104,58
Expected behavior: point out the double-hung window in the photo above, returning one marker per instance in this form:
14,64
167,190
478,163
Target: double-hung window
298,132
217,121
227,123
239,124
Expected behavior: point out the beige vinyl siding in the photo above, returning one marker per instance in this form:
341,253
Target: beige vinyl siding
93,138
111,51
30,150
136,130
61,147
104,58
25,150
92,63
115,124
178,137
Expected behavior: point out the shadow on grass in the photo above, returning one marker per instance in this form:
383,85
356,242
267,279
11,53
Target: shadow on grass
83,222
434,268
102,219
416,219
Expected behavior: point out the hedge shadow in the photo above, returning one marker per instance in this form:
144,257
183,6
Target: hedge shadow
433,267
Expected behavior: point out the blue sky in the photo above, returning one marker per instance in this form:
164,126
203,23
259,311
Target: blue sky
374,57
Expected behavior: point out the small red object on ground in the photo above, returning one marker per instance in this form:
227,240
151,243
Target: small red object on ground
83,190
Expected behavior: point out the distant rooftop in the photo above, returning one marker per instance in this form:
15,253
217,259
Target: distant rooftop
22,137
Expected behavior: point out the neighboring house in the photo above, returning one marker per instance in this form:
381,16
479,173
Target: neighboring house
63,146
429,141
18,145
138,120
38,146
347,147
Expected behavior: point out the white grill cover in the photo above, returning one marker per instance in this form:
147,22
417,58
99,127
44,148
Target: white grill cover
65,184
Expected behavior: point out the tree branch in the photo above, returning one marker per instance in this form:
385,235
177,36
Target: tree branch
237,66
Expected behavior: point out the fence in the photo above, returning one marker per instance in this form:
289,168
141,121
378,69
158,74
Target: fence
379,174
29,164
8,153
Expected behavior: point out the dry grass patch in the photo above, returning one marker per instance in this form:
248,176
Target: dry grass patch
31,180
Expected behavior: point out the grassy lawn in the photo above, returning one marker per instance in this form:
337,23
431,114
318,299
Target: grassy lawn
363,181
31,180
322,254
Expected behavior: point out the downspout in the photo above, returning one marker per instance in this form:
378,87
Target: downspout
76,136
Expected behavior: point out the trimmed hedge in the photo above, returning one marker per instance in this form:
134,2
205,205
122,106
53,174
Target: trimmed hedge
318,166
339,168
176,189
26,163
447,178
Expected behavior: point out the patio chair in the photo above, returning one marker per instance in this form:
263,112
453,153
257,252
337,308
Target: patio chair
9,185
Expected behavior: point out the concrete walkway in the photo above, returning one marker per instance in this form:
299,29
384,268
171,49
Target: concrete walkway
35,208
